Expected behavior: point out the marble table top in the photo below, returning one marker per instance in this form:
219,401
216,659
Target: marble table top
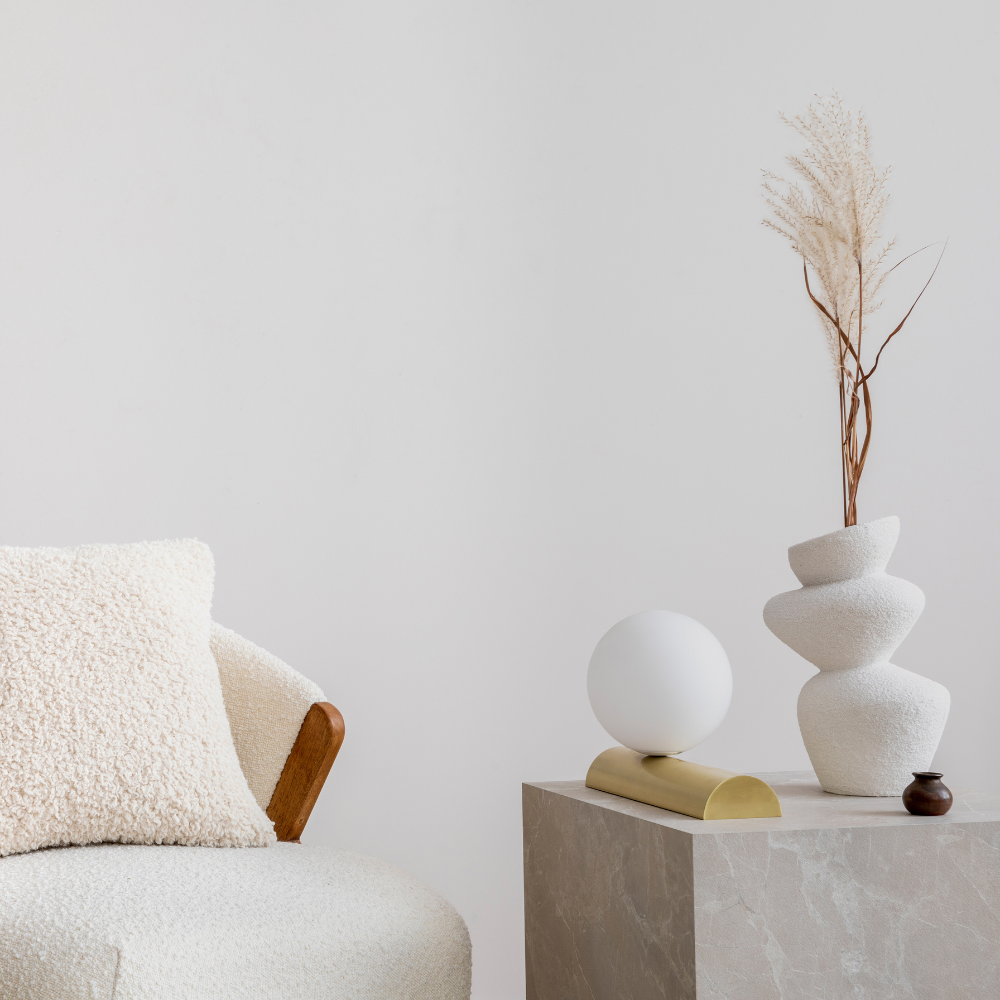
804,806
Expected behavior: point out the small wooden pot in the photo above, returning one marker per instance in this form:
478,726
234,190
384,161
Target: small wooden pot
927,795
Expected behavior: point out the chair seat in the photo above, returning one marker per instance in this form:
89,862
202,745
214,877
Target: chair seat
122,922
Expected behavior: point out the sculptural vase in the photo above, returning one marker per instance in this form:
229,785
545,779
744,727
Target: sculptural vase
866,723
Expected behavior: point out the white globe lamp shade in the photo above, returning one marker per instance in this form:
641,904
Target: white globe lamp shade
659,682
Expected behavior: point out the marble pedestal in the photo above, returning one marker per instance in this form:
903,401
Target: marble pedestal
840,897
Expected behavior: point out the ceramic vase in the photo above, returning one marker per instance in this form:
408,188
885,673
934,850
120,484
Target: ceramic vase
927,794
866,723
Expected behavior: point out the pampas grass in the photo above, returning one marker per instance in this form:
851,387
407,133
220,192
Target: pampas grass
831,213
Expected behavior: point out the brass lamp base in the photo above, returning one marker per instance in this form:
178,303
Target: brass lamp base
682,786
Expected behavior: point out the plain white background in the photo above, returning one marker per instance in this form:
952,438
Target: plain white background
452,328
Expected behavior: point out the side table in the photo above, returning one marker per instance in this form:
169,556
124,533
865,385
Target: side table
840,897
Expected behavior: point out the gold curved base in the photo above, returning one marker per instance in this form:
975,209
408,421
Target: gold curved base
682,786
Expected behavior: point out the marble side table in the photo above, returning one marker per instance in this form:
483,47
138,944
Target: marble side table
840,897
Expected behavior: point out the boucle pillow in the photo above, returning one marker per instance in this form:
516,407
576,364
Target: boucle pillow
112,724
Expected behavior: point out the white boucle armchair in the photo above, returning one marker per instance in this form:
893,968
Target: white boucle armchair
289,922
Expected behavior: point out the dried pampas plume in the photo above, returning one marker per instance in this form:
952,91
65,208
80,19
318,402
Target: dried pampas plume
831,214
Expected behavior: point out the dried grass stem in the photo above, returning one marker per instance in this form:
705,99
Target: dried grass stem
832,215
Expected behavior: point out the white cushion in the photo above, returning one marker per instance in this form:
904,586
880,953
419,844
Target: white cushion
112,723
266,701
193,923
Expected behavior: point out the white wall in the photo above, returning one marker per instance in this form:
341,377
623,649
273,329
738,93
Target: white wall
452,328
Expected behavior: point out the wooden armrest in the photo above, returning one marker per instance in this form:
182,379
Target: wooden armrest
306,769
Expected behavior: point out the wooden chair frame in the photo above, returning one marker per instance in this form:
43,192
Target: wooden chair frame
315,749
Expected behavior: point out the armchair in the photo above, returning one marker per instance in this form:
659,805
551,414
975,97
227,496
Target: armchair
131,922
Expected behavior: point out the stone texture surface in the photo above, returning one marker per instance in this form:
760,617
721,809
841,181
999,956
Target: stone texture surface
841,897
609,901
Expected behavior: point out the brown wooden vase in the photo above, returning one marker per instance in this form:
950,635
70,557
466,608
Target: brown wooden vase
927,795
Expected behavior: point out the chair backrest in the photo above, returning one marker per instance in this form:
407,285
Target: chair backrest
266,701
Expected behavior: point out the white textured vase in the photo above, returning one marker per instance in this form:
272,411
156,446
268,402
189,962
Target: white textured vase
866,723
